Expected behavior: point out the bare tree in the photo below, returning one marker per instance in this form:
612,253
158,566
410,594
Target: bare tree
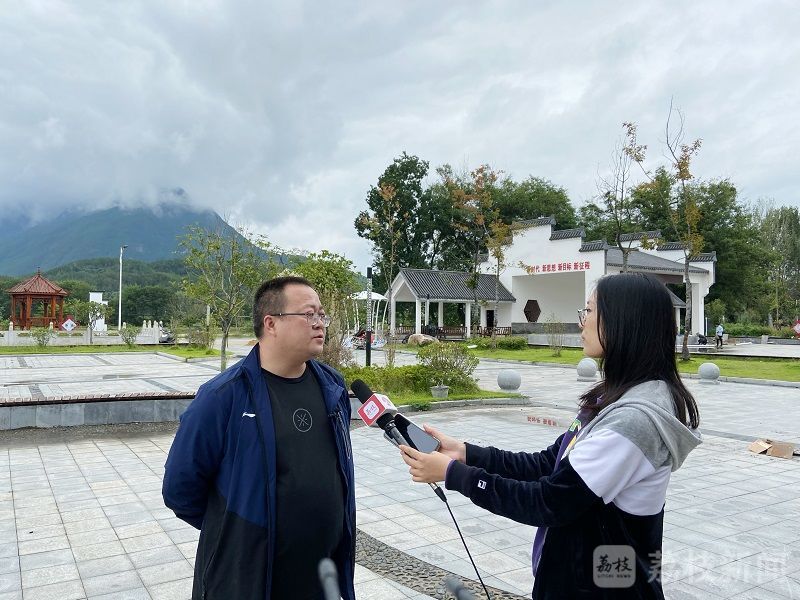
683,210
615,192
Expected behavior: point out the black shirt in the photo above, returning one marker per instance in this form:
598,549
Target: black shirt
309,495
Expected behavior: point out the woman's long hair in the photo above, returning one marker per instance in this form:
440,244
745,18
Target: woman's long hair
637,330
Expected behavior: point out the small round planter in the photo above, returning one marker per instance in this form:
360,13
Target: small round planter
439,391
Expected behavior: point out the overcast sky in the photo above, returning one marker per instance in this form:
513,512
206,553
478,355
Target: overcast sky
281,115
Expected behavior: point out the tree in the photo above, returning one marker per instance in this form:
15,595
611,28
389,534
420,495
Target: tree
224,271
396,207
146,302
481,224
681,206
87,312
333,278
532,198
76,289
615,192
780,230
384,227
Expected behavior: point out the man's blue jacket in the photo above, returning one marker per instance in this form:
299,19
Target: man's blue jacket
220,477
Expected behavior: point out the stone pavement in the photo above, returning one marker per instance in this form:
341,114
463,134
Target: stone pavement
84,518
740,410
81,514
40,376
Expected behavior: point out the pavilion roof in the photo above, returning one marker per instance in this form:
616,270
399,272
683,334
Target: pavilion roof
38,286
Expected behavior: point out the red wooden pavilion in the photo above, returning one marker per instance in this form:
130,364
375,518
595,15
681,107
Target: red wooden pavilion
26,295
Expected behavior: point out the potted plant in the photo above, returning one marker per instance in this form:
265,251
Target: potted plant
440,391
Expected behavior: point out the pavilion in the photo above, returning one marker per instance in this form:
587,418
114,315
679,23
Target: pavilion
35,291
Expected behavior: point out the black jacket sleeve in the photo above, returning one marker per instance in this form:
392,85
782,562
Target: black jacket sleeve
552,501
522,466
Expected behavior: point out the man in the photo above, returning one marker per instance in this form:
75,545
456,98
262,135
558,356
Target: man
262,463
719,333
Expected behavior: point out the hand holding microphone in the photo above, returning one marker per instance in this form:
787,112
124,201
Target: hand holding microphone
376,409
425,468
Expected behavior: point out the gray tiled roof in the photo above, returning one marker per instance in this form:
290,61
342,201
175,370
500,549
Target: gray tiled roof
594,246
671,246
676,302
705,257
642,261
566,234
452,285
540,222
629,237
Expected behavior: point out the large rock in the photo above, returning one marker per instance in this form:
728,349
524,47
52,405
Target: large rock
420,339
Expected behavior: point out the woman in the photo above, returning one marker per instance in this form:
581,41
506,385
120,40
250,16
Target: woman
604,481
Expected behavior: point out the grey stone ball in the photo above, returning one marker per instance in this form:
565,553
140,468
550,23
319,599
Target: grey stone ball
509,379
587,369
708,372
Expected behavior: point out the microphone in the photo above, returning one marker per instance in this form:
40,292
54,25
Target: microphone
375,409
329,579
458,589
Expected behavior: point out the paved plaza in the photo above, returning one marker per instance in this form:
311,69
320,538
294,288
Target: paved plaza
81,514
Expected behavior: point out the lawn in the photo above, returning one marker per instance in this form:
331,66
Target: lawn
182,351
422,401
780,369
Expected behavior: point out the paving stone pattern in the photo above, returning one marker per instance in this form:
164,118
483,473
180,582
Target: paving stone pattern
85,519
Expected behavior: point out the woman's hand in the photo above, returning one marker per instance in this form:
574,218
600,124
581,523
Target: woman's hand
451,447
425,468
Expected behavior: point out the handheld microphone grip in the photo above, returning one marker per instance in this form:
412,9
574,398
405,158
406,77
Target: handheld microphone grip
458,589
329,579
386,422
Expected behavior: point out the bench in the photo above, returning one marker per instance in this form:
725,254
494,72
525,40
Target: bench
498,331
449,332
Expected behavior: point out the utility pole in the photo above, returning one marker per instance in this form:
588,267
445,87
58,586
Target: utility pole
119,309
368,341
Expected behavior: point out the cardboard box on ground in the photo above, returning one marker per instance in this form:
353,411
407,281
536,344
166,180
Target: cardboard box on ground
772,448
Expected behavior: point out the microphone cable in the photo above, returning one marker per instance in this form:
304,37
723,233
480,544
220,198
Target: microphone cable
443,498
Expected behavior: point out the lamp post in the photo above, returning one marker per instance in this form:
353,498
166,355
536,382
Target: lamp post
119,310
368,335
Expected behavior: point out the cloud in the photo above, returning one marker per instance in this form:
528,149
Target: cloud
283,114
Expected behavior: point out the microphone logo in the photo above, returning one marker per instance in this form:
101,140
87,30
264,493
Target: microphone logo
375,406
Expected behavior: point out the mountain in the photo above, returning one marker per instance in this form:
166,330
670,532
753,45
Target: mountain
150,234
102,274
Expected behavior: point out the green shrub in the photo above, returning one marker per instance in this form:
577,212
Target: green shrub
406,379
449,364
747,330
503,342
512,343
785,332
42,335
200,336
128,335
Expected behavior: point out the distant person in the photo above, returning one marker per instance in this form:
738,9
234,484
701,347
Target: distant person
701,339
720,331
604,481
262,462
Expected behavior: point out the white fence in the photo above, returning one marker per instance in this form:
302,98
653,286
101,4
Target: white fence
149,334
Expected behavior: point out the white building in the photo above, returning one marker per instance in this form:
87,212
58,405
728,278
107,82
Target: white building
551,273
100,324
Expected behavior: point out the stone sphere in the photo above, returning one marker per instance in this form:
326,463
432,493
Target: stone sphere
708,372
509,379
587,369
